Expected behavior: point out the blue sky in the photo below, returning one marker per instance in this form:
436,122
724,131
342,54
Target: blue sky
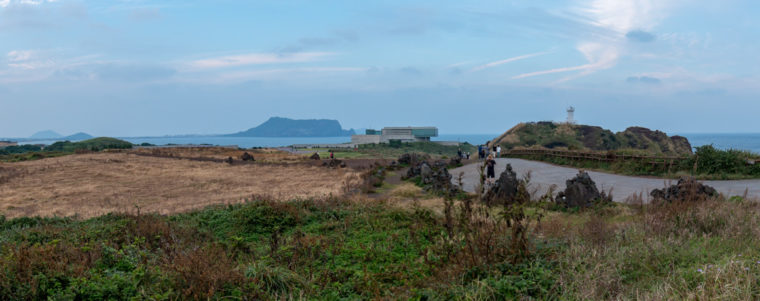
138,67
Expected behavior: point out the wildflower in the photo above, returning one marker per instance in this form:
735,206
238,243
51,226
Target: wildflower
746,269
700,270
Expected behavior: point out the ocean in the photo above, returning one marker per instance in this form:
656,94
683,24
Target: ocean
750,142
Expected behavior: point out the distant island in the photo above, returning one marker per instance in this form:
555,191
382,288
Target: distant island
44,135
52,135
285,127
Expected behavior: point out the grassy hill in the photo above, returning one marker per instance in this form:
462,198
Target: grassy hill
586,137
95,144
61,148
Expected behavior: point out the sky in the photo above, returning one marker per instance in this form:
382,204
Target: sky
140,68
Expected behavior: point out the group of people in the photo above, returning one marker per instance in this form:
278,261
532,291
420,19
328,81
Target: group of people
463,155
484,151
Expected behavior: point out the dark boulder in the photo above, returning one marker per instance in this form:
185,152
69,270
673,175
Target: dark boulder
504,191
435,177
455,162
333,163
247,157
416,169
228,160
315,156
412,158
581,191
687,189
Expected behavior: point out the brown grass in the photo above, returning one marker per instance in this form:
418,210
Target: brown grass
89,185
266,155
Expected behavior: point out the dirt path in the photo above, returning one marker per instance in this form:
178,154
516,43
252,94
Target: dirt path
544,175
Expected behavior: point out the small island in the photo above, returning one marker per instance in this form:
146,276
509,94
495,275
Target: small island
286,127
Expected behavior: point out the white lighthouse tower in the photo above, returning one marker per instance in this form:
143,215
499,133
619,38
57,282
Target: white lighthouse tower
570,113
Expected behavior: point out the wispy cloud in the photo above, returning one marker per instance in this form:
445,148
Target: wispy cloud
620,18
258,59
6,3
504,61
265,74
599,56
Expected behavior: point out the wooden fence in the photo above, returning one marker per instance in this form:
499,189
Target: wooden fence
656,161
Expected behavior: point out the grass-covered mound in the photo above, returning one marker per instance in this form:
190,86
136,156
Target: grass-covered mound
584,137
61,148
95,144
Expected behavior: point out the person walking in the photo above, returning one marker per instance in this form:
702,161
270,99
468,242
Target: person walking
498,151
332,155
490,169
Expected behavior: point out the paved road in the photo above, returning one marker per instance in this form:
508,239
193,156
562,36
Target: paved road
544,175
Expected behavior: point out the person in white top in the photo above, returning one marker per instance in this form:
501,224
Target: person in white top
498,151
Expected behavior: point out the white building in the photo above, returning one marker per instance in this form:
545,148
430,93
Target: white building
402,134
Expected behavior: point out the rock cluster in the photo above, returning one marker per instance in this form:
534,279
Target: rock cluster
455,162
333,163
504,191
435,177
315,156
687,189
247,157
581,192
412,158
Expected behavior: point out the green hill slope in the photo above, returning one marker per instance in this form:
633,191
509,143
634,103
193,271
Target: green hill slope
585,137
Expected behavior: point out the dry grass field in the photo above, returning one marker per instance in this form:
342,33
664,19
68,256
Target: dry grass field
266,155
89,185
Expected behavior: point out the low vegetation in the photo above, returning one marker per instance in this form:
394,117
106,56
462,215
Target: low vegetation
707,163
334,248
61,148
396,149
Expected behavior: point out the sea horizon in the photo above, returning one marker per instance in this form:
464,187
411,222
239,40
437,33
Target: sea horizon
740,141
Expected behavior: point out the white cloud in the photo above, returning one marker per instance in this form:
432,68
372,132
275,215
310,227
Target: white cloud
19,55
258,59
509,60
6,3
626,15
619,17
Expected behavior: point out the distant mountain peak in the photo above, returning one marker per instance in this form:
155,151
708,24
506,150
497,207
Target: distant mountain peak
286,127
47,134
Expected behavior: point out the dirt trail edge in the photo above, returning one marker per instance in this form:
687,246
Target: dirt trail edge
544,175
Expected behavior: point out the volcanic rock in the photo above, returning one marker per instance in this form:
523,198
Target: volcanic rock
247,157
412,158
581,191
504,191
687,189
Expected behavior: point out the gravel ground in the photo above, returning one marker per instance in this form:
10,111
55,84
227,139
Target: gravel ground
544,175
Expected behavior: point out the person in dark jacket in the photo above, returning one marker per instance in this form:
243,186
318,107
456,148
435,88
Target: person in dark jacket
490,169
